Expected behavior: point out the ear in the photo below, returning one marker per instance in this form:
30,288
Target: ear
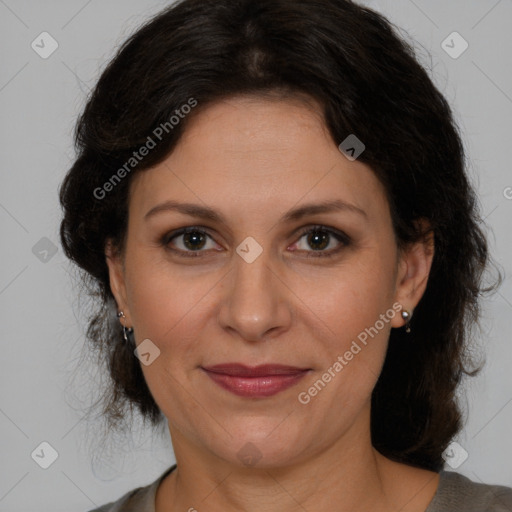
415,262
116,272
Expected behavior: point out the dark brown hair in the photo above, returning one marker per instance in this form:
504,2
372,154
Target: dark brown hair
368,82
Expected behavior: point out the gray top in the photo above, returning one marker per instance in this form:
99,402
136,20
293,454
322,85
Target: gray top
455,493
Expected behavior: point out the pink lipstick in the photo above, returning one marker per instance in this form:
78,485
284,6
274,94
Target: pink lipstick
257,381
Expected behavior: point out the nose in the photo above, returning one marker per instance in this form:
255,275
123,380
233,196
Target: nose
256,302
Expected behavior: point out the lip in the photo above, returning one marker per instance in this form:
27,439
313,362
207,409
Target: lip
255,381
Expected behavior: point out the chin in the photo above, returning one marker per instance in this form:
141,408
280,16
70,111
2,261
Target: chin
264,444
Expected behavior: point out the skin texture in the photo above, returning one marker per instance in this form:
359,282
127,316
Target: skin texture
252,160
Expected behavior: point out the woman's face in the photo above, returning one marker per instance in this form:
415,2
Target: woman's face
249,285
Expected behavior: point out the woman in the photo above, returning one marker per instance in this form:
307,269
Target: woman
271,197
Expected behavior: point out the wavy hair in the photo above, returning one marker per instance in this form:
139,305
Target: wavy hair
368,82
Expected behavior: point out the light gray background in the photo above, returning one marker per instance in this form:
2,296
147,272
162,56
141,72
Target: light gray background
43,322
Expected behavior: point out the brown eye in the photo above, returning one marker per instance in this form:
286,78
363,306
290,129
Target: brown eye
321,241
194,240
318,240
189,241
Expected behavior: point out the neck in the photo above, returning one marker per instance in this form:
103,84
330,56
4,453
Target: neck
349,475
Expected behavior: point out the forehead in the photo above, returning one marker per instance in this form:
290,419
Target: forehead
258,155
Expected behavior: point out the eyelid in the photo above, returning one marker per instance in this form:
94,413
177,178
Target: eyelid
322,227
166,239
343,239
340,236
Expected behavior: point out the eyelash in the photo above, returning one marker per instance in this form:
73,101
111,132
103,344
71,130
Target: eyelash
338,235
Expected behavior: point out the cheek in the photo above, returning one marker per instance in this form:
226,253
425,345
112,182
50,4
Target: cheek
171,309
352,354
163,298
345,309
347,300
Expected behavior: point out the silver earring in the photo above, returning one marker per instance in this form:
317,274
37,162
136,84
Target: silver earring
125,330
406,315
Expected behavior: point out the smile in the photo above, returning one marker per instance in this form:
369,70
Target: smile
255,382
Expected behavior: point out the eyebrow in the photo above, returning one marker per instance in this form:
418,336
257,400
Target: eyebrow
204,212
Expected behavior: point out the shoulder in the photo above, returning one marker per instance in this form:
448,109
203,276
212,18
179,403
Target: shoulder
136,500
458,493
141,499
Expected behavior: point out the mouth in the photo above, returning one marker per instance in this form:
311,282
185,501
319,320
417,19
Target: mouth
257,381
